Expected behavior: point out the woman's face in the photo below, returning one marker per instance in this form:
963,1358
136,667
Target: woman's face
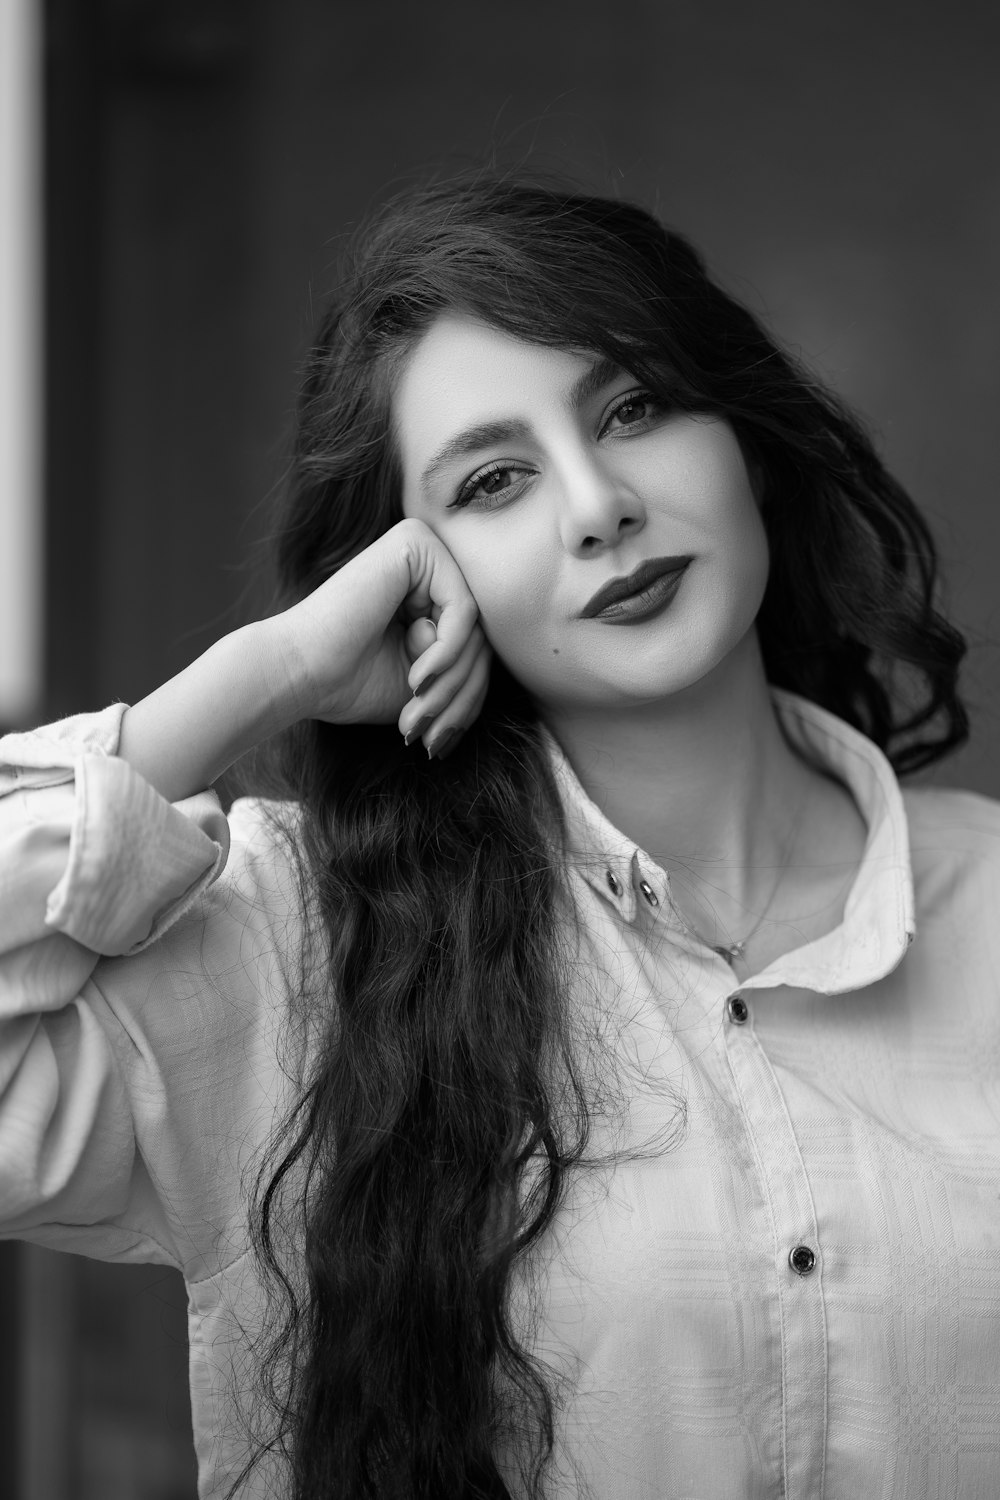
549,474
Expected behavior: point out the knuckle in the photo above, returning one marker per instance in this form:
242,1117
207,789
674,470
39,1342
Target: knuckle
410,534
469,611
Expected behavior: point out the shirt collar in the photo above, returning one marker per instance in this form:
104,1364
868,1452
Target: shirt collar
878,922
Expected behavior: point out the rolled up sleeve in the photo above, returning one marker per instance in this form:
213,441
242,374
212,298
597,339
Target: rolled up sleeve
94,863
90,850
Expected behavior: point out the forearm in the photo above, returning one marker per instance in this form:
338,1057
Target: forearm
185,734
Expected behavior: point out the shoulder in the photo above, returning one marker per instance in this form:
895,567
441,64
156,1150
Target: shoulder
949,818
257,906
263,869
955,857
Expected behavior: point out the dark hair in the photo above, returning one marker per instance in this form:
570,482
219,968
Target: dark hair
447,1101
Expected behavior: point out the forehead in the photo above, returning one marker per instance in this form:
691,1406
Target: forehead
462,354
462,373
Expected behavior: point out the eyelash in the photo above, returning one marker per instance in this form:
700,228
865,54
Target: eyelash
504,466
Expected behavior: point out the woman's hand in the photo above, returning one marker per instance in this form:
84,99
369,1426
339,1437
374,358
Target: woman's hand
393,635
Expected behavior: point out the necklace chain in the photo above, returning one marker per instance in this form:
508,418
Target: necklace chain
733,951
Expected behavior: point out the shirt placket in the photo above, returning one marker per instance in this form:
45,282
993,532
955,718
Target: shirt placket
798,1259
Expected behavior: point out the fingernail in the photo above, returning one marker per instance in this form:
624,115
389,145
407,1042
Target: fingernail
444,745
428,682
418,729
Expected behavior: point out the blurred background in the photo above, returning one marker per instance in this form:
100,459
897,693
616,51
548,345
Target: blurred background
174,179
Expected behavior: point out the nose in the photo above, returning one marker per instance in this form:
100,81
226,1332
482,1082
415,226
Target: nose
598,508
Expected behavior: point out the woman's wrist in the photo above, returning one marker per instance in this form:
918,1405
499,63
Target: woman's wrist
287,687
246,687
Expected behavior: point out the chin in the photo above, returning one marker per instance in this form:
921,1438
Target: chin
641,684
615,692
626,672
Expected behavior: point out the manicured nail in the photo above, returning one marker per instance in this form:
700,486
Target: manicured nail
418,729
428,682
444,744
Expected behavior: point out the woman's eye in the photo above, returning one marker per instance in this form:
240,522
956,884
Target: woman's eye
631,411
495,483
639,407
492,483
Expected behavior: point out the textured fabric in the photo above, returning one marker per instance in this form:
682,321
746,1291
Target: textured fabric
854,1113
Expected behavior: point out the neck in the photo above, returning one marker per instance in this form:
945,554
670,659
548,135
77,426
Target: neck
704,781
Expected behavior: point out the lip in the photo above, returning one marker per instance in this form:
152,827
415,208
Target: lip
620,589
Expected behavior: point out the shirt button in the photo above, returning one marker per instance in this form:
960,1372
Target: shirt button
802,1260
738,1009
650,895
614,883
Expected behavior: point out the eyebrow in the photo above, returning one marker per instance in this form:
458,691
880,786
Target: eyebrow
486,434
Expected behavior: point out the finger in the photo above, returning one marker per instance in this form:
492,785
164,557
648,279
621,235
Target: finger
420,635
453,695
463,710
426,706
439,592
454,627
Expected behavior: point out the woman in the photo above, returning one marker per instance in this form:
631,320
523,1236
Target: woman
564,1110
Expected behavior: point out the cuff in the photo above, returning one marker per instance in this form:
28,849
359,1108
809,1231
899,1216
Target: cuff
136,862
46,756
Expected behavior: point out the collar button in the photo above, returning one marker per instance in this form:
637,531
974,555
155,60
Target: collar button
652,898
614,884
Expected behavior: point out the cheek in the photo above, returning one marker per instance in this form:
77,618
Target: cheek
731,516
747,555
513,585
750,537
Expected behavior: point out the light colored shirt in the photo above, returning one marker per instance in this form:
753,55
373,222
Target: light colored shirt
796,1293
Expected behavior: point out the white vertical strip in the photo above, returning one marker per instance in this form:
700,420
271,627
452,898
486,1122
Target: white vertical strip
20,360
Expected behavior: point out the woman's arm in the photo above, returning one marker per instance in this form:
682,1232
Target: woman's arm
93,861
109,843
357,650
185,734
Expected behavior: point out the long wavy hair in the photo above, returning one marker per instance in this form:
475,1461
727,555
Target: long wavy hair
445,1100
